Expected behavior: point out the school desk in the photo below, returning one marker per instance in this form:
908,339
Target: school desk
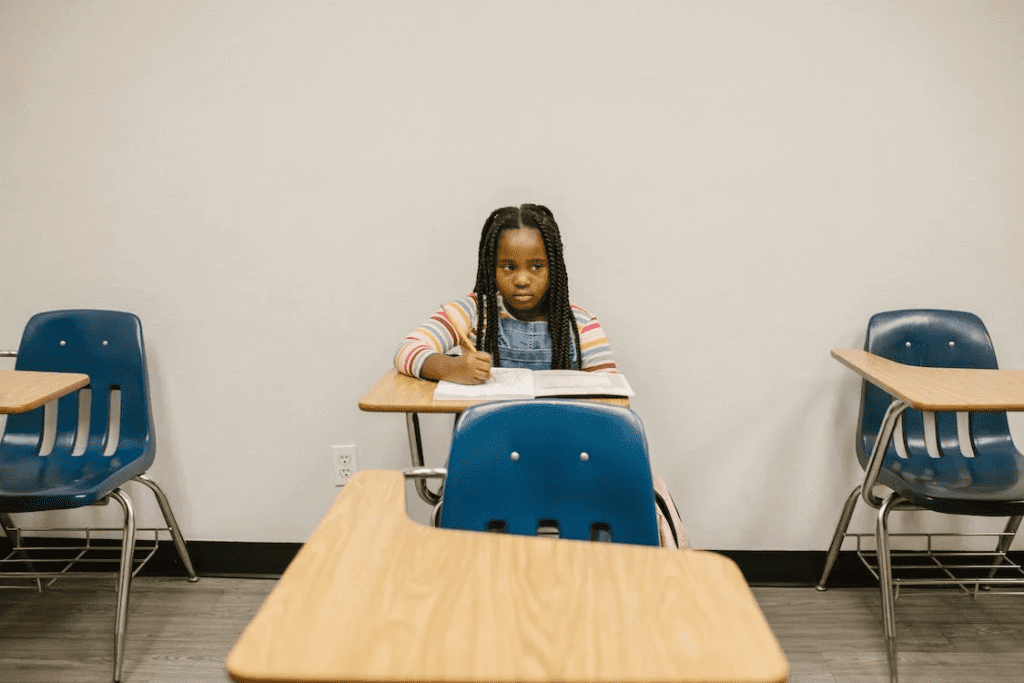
398,393
24,390
374,596
928,389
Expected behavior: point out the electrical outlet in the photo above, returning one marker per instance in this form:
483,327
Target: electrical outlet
345,461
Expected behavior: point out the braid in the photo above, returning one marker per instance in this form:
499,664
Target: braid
486,287
561,320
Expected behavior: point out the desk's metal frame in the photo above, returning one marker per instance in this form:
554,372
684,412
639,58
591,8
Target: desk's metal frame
412,426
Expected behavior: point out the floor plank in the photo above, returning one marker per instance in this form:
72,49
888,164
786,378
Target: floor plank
944,636
181,632
177,631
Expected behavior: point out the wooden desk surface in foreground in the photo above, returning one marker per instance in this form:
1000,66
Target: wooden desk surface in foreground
398,393
939,389
24,390
374,596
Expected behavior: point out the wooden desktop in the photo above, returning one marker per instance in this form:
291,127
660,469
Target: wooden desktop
24,390
938,389
375,596
398,393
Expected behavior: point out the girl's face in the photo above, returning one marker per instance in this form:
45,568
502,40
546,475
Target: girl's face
522,273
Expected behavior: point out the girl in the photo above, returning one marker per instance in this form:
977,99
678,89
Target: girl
523,289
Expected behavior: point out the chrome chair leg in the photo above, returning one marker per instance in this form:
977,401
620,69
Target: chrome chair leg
7,524
14,536
837,538
1009,533
172,524
885,582
124,579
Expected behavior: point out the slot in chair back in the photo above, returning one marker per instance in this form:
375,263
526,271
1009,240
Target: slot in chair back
107,346
517,466
927,469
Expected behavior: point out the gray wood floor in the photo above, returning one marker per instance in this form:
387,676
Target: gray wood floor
181,632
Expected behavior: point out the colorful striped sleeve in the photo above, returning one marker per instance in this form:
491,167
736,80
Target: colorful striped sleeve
436,335
597,351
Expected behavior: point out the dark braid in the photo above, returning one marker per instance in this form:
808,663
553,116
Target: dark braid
561,321
486,287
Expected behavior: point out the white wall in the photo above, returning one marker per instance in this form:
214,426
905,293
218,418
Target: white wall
281,190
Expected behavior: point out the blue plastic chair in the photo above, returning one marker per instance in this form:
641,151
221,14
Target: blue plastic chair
976,476
107,346
521,467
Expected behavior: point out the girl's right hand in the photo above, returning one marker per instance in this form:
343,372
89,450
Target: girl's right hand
473,367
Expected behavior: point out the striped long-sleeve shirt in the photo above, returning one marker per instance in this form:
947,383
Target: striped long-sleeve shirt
438,335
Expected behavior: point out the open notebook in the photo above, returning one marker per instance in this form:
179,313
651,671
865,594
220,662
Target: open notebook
513,383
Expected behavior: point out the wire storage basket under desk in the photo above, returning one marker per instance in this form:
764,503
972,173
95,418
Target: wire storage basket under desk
925,563
43,555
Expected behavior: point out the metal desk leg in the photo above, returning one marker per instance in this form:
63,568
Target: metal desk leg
412,425
885,581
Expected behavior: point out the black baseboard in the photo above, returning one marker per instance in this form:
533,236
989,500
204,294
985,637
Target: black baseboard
759,567
269,560
226,558
209,558
798,568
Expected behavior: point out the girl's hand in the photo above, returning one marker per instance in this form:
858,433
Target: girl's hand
473,367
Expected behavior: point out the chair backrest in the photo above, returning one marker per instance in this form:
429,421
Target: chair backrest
107,346
930,338
517,466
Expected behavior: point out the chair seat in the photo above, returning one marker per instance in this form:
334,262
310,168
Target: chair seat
988,487
988,484
34,483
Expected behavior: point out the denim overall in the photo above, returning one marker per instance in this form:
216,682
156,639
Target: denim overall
524,344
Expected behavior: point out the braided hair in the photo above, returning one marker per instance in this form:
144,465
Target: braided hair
561,321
